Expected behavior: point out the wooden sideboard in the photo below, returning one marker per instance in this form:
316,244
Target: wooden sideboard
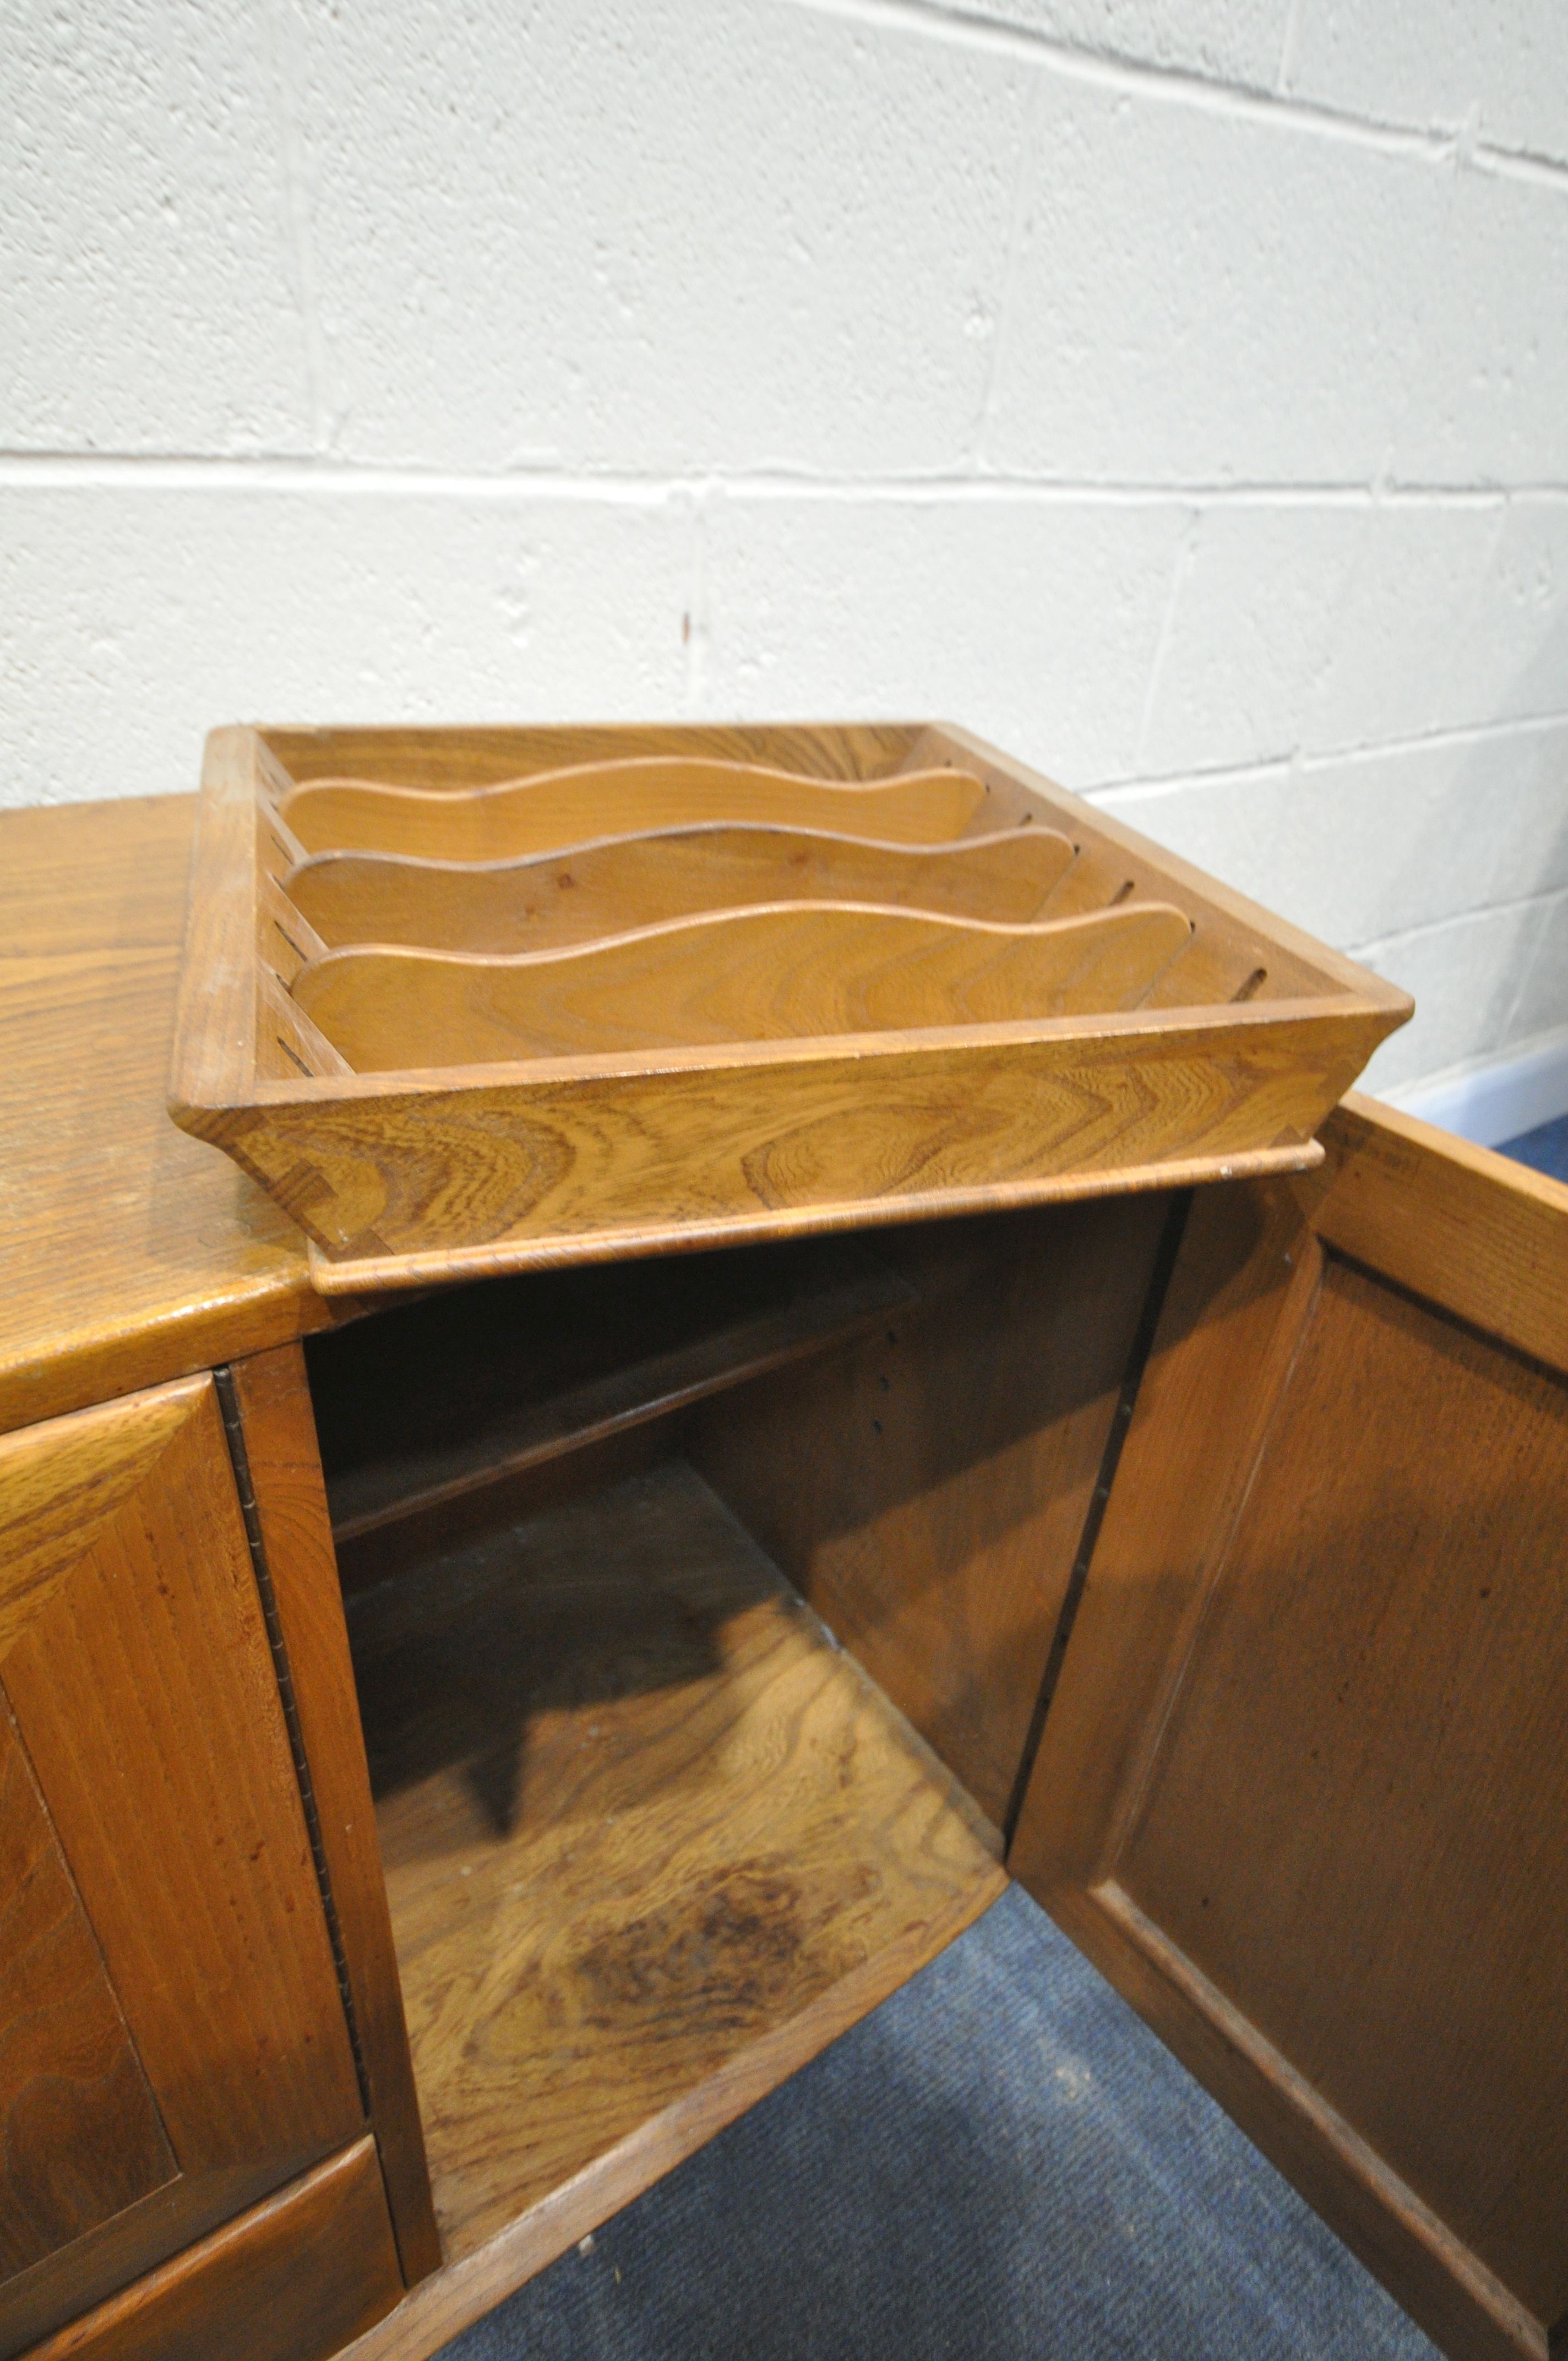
433,1802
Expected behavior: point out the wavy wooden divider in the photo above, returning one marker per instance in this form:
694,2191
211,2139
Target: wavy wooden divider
793,971
598,799
553,898
458,759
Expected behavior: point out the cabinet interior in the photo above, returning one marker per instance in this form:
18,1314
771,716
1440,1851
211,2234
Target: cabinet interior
645,1822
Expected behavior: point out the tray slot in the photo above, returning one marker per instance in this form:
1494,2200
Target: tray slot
1226,964
622,883
596,799
432,1417
788,973
286,940
288,1048
278,850
1222,961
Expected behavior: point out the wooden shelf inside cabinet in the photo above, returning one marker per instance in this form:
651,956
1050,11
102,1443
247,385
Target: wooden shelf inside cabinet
650,1841
423,1413
467,1002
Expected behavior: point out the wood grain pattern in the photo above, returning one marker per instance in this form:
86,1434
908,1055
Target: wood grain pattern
80,2135
343,1152
129,1253
794,972
274,1404
64,1485
293,2279
1492,1242
175,1684
621,1708
593,799
215,1015
927,1489
720,1145
142,1685
453,2298
626,882
1302,1791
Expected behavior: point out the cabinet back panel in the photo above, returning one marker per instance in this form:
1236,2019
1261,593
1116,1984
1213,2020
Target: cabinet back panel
926,1488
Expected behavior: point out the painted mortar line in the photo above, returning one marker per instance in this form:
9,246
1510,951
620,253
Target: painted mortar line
1017,216
1182,568
1527,966
1486,155
1518,164
1136,790
1381,944
1139,789
1175,85
327,478
696,620
1483,575
62,470
1553,1040
996,485
297,218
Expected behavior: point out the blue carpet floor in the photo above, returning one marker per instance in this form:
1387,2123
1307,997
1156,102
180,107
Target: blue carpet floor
1001,2162
1545,1148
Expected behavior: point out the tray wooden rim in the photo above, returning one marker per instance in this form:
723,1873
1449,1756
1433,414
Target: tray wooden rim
434,1266
226,987
805,1050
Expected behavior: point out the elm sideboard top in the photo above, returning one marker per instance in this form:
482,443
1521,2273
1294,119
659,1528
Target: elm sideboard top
128,1252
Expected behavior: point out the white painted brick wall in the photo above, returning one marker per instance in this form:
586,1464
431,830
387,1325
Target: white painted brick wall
1179,395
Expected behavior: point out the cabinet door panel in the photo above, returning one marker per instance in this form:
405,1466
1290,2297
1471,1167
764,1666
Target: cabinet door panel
1303,1791
150,1804
79,2136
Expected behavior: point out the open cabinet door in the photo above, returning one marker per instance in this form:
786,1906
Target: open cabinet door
1302,1788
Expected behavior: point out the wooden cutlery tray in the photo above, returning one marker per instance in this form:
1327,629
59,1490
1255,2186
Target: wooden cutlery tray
476,1000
